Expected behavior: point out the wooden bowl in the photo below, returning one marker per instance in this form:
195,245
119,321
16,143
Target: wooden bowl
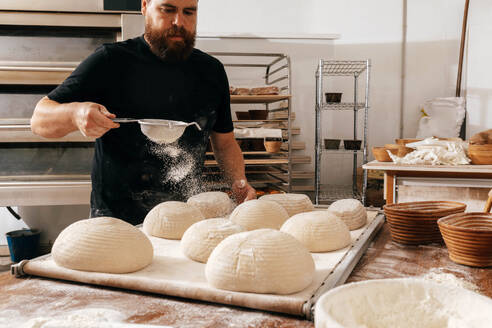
398,150
272,146
468,237
258,114
380,154
403,142
480,154
415,223
243,115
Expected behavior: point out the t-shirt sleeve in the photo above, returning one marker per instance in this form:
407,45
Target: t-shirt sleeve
87,82
223,124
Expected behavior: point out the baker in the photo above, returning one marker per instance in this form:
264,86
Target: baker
159,75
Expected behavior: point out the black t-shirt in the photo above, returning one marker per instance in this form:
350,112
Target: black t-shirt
131,174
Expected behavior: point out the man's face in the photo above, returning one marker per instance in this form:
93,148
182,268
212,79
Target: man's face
170,27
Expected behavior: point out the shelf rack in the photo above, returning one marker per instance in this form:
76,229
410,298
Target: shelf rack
333,69
270,69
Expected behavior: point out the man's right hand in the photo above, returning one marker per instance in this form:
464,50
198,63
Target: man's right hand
93,120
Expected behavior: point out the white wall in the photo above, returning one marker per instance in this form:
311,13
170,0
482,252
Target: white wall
369,29
478,78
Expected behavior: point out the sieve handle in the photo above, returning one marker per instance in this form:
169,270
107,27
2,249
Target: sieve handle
197,125
124,120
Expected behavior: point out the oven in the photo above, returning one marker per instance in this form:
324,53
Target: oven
48,180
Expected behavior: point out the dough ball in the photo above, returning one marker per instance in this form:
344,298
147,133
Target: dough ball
171,219
213,204
102,244
351,211
293,203
318,231
260,261
257,214
202,237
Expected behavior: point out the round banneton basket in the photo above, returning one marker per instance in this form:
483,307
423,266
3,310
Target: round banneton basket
415,223
402,303
468,237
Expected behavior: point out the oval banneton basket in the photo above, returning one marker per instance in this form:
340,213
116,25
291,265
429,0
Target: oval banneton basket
468,237
415,223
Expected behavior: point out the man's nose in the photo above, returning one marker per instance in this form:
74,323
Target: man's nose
178,20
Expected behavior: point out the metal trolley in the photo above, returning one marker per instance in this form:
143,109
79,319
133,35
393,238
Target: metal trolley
333,69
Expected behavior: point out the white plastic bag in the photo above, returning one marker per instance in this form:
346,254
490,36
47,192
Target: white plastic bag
443,119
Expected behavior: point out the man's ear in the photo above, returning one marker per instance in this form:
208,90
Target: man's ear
144,7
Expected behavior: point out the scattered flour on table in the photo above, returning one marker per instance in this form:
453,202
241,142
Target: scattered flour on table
449,279
89,317
37,298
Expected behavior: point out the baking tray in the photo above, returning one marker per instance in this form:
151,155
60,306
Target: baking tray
171,273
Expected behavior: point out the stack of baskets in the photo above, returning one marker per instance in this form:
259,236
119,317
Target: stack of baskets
415,223
468,237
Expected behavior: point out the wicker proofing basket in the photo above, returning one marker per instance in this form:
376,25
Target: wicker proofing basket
468,237
272,146
415,223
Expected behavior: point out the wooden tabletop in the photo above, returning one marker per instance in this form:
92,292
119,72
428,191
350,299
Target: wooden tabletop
32,297
390,166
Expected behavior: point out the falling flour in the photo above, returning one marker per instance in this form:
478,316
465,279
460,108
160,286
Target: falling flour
181,166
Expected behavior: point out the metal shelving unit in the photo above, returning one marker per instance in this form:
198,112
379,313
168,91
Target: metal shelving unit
268,69
335,69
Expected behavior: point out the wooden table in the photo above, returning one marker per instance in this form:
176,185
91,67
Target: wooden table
35,297
392,171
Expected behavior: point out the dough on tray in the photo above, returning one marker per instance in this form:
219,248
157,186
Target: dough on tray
260,261
212,204
293,203
202,237
171,219
102,244
351,211
257,214
318,231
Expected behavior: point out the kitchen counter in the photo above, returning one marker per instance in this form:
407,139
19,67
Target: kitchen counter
479,176
21,299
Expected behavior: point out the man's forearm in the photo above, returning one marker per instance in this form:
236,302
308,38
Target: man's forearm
231,161
52,119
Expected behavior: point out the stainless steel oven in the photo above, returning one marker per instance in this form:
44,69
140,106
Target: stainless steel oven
42,42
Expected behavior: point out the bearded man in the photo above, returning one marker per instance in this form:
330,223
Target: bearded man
159,75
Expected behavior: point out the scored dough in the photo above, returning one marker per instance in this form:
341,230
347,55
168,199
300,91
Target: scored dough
171,219
293,203
102,244
260,261
202,237
212,204
351,211
257,214
318,231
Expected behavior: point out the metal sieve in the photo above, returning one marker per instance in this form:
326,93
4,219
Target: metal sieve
160,131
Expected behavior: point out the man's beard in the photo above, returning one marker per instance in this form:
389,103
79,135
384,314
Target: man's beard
169,50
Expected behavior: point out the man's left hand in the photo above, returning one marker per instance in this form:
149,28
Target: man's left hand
242,191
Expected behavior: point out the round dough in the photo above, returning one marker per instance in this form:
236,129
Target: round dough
402,303
293,203
318,231
212,204
260,261
351,211
102,244
202,237
171,219
257,214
